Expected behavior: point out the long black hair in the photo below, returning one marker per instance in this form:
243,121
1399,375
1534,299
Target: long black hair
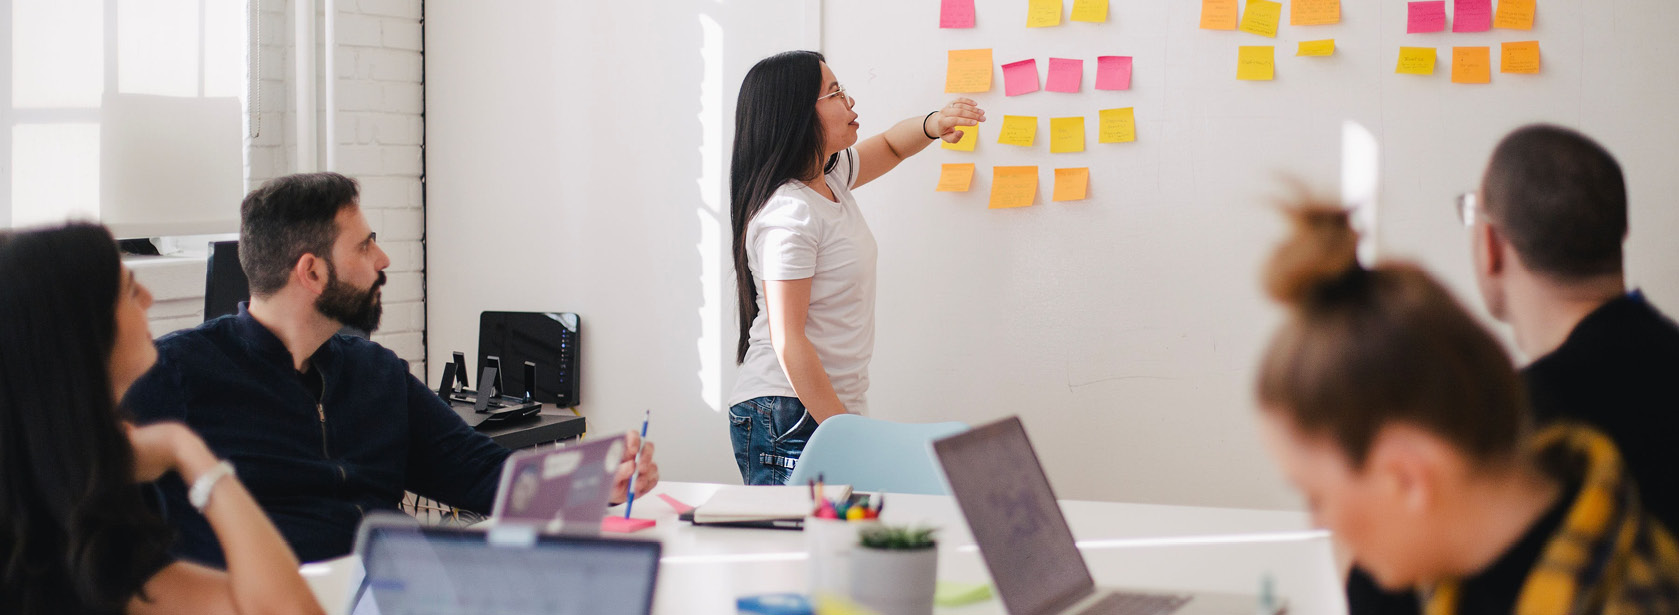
75,533
778,137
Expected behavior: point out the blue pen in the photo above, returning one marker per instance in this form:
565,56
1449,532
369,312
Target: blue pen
630,503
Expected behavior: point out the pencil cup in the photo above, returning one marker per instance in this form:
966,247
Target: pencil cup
830,543
895,581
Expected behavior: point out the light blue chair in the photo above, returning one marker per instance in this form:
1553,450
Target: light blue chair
875,455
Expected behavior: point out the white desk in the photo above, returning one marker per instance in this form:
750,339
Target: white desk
1145,546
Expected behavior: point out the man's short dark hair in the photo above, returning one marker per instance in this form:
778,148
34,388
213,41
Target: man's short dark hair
286,218
1560,199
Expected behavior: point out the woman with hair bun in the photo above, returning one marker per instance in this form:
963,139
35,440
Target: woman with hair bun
1404,425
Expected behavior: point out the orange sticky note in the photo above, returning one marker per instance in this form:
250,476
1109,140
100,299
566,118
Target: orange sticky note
1317,48
1219,14
956,177
1520,58
1071,184
1043,13
1013,187
1019,130
1471,65
1314,12
1262,17
968,70
1066,135
1416,61
1514,15
1256,63
970,138
1090,11
1117,125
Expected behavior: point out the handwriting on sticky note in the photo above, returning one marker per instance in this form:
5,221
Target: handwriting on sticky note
1113,72
1043,13
1019,130
1416,61
956,14
1117,125
1514,15
1256,63
1071,184
1521,58
970,138
956,177
1471,65
1219,14
968,70
1090,11
1065,75
1262,17
1317,48
1471,15
1013,186
1020,77
1428,16
1314,12
1066,135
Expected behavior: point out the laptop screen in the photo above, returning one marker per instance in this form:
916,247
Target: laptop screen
1007,500
437,571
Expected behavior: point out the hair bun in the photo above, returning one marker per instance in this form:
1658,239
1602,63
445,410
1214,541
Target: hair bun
1321,249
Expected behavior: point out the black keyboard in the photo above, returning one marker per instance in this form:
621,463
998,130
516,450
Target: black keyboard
1135,604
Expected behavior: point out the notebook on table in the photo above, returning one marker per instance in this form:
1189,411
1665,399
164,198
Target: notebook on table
765,506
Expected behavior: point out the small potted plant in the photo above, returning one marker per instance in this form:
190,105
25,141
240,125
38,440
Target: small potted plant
894,570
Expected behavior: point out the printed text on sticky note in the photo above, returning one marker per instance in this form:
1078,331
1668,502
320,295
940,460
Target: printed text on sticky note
1090,11
1066,135
1117,125
1520,58
1113,72
1262,17
1317,48
956,177
1018,130
1020,77
1013,186
1471,15
1427,16
1514,15
1471,65
1219,14
1314,12
970,138
1043,13
1256,63
968,70
1416,61
1065,75
956,14
1071,184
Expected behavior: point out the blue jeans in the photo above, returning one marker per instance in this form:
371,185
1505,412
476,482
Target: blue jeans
769,434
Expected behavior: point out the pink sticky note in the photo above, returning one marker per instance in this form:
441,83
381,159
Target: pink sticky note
1472,16
1065,75
619,525
1020,77
1113,72
957,14
1426,17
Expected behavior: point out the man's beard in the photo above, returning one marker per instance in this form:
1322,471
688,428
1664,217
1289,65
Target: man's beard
351,306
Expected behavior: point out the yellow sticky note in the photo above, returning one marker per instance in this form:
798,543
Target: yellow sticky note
1117,125
1219,14
968,70
1520,58
1090,11
1256,63
1514,15
1013,186
1042,13
970,138
1416,61
1071,184
1317,48
1018,130
1471,65
1066,135
1262,17
1314,12
956,177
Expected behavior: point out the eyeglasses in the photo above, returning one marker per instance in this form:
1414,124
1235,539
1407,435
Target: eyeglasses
1468,208
839,90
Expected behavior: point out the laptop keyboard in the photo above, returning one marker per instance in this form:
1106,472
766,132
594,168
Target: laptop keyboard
1135,604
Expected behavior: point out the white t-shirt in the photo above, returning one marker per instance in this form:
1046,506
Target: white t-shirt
801,234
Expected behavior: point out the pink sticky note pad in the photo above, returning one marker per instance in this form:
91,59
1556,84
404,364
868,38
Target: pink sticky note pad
1472,16
675,504
1113,72
1065,75
1426,17
619,525
956,14
1020,77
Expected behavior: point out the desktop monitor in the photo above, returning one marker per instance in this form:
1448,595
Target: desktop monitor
548,339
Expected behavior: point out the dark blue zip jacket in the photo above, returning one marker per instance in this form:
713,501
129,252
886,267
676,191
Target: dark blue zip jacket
316,466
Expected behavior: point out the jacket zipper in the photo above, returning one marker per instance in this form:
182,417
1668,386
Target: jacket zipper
320,410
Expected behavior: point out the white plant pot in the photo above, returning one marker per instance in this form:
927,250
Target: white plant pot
830,543
895,582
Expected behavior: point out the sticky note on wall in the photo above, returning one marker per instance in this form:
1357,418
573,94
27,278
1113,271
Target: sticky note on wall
1219,14
1020,77
1262,17
1071,184
1314,12
1514,15
1117,125
1066,135
1521,58
1317,48
1429,16
968,70
1256,63
1065,75
1013,187
1113,72
1416,61
956,14
1471,15
1471,65
1090,11
956,177
970,138
1019,130
1043,13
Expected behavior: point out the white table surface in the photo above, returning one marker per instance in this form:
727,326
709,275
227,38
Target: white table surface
1143,546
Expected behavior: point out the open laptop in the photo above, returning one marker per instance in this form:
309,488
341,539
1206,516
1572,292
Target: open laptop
559,490
414,570
1035,565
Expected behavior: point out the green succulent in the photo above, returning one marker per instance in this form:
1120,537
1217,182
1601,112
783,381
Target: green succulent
897,538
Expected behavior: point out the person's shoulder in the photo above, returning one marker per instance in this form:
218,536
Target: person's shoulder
194,341
789,206
366,352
